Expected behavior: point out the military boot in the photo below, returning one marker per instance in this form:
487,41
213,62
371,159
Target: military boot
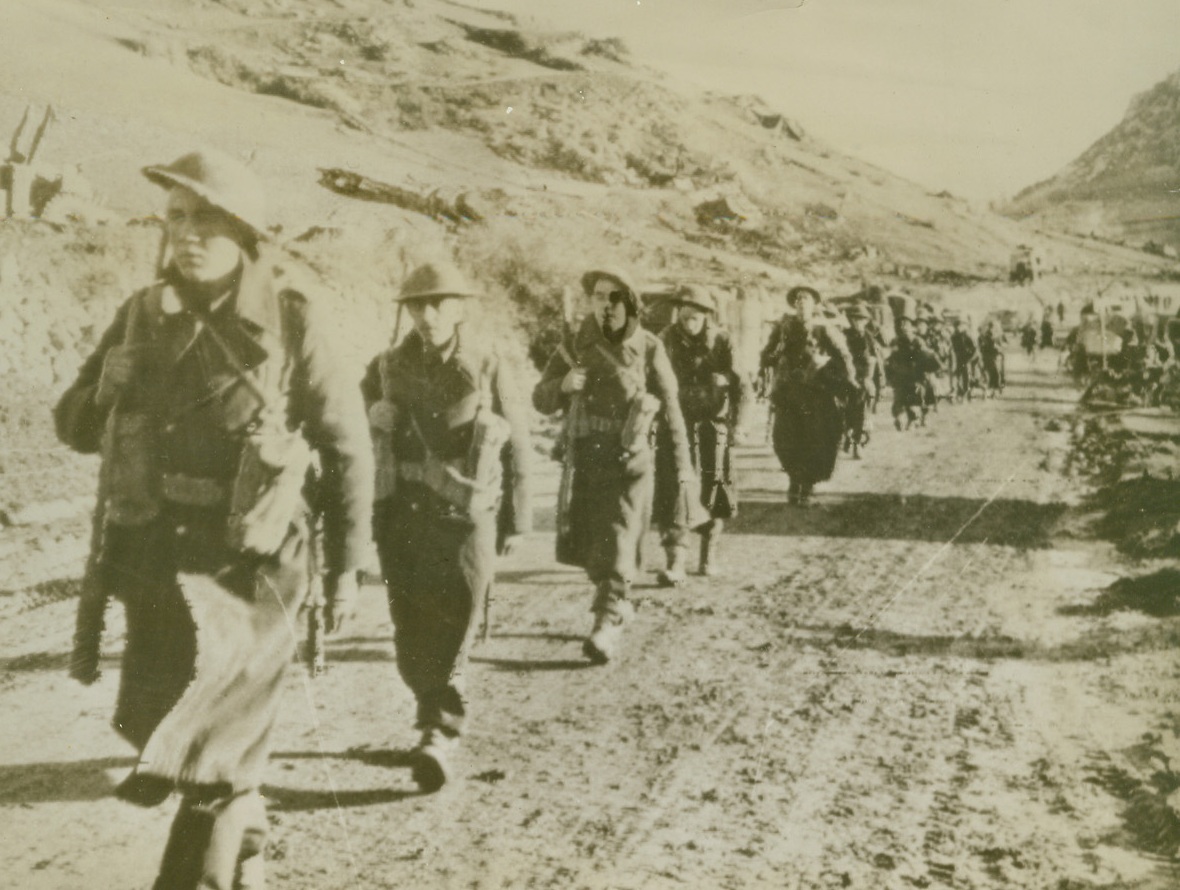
602,645
709,541
431,767
675,573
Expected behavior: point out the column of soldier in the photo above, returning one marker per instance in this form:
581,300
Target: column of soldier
227,425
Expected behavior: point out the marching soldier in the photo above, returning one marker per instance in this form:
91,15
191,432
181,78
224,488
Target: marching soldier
991,355
866,363
907,368
611,379
965,359
451,442
712,398
204,396
812,382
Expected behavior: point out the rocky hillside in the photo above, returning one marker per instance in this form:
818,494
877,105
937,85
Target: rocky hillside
1126,186
391,131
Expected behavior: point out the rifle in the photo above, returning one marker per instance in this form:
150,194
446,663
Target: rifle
315,591
567,551
90,620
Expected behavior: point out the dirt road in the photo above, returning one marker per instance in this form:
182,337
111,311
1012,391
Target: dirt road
905,685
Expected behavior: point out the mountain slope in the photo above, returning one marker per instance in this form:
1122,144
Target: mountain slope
1127,184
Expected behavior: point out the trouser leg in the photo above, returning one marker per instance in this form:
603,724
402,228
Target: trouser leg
215,844
710,538
437,575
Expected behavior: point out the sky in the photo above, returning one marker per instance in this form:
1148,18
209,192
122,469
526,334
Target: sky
981,98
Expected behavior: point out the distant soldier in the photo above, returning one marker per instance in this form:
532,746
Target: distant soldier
1047,332
991,354
612,380
906,369
866,362
965,352
930,337
812,383
203,397
1028,338
712,398
451,439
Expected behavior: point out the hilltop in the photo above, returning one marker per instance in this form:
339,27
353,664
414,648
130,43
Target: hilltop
390,131
1124,187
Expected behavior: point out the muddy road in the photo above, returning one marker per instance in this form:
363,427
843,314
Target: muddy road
905,685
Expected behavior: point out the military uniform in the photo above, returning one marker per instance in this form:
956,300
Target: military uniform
812,383
712,399
628,379
908,368
965,353
866,365
208,623
992,358
436,524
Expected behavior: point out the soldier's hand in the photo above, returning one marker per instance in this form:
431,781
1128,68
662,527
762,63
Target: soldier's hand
340,601
117,368
509,545
574,380
383,415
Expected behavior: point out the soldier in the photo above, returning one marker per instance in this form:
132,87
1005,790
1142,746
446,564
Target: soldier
203,396
451,440
712,398
866,364
965,356
1028,338
812,383
612,379
907,368
991,354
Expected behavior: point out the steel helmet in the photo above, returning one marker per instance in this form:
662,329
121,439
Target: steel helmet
433,280
696,295
225,183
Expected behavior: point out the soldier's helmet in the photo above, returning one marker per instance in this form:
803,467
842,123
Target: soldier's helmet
436,280
618,276
795,293
225,183
696,295
855,311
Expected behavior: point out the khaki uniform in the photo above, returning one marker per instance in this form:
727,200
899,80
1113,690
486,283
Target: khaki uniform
812,383
610,507
712,410
208,623
438,553
908,369
866,365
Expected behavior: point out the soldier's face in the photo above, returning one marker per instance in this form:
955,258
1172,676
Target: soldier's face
612,310
859,325
691,319
436,318
203,239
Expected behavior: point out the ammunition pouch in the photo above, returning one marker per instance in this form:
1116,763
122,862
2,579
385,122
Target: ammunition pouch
385,461
636,433
703,401
129,468
268,490
193,491
470,485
